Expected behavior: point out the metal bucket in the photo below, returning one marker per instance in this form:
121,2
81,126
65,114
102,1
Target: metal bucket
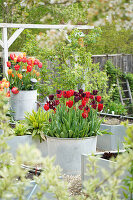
22,140
111,142
68,152
24,101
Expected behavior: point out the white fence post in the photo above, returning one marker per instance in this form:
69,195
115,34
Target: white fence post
5,50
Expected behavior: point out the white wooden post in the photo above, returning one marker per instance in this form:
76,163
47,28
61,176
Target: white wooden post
5,50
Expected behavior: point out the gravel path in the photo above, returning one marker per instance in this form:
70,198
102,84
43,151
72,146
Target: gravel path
74,184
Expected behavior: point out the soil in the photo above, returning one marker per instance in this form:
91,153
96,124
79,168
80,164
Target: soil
115,121
109,155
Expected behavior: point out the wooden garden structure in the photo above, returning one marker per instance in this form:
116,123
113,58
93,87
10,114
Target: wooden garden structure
6,43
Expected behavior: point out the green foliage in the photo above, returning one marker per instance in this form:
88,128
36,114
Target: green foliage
114,73
71,65
118,108
129,76
20,129
36,123
128,181
112,41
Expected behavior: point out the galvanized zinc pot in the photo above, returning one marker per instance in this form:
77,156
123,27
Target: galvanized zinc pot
111,142
68,152
22,140
24,101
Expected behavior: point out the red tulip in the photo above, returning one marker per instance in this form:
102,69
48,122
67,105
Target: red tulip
72,92
36,62
29,68
29,61
80,107
19,59
15,90
94,106
46,107
40,65
17,67
8,64
24,59
100,107
87,109
64,94
83,103
91,96
57,102
59,95
84,114
87,94
12,56
67,94
69,103
98,98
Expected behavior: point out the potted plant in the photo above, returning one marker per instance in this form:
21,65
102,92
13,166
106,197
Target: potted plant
22,76
73,127
31,131
106,162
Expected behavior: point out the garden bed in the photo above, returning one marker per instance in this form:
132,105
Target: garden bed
104,161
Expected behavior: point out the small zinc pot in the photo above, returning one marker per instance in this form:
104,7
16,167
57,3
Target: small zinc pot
22,140
68,152
111,142
24,101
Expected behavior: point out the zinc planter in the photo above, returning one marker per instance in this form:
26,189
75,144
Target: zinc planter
22,140
111,142
108,165
68,152
24,101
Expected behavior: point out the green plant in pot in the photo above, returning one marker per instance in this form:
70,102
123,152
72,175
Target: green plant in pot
73,126
31,131
37,123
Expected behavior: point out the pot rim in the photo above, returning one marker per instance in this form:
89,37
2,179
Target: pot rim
83,138
115,125
25,91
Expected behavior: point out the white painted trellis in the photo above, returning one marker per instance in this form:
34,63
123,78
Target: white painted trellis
6,43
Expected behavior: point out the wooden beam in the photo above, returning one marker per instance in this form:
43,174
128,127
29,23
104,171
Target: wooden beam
5,50
1,43
14,36
16,53
44,26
